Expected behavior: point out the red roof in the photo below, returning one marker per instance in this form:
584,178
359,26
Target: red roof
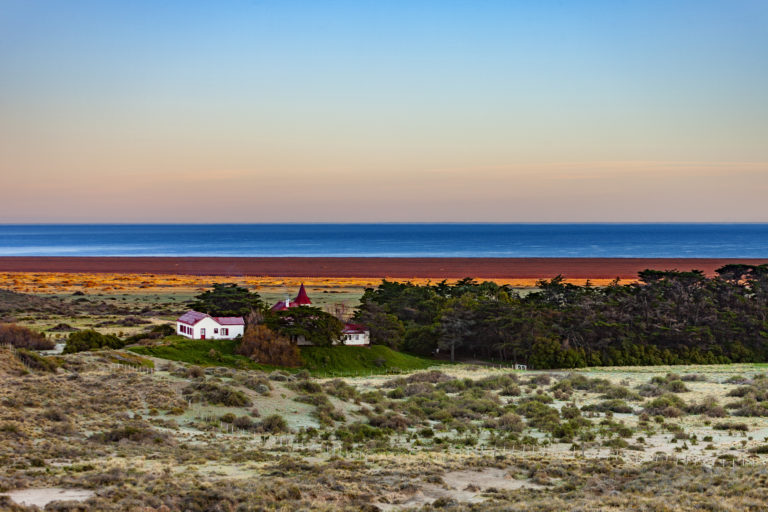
282,306
302,299
354,329
192,317
229,320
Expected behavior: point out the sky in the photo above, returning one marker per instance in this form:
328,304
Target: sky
369,111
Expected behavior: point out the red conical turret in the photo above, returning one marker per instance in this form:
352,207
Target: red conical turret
302,299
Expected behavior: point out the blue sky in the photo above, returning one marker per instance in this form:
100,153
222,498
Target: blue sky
383,111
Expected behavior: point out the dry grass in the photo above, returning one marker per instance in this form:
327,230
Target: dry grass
136,440
57,282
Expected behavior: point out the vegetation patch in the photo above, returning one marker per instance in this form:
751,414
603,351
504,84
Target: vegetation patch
346,360
199,352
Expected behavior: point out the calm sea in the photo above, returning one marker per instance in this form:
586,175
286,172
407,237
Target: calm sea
436,240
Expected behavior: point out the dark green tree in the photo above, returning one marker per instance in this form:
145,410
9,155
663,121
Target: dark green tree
313,324
386,328
228,299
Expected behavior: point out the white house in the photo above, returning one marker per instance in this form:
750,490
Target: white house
200,326
353,334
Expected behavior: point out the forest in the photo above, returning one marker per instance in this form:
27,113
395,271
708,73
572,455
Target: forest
665,317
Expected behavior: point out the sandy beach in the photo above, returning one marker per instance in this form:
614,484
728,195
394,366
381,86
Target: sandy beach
399,268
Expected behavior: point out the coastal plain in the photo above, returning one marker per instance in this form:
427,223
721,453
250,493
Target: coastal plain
115,430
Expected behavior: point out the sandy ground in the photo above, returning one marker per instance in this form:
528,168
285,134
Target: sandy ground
464,486
42,496
595,268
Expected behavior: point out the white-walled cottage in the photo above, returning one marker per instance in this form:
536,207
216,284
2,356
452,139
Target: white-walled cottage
355,334
200,326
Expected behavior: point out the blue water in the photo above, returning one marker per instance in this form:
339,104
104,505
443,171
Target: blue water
437,240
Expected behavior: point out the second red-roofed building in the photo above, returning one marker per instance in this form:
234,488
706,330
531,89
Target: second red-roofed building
353,334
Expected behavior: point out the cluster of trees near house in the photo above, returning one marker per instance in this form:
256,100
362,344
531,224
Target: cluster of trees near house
666,317
268,334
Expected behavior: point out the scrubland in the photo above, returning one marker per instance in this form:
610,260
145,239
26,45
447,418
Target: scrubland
136,432
172,436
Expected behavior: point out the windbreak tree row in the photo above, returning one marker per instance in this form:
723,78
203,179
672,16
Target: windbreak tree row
666,317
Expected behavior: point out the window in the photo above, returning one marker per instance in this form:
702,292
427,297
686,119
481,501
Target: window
216,330
224,331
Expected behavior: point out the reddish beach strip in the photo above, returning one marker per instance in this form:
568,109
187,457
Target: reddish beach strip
498,268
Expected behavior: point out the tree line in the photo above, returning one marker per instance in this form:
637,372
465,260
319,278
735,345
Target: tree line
666,317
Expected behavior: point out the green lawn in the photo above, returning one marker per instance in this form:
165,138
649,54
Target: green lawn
199,352
351,361
320,361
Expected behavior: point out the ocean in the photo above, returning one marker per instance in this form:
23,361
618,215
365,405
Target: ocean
390,240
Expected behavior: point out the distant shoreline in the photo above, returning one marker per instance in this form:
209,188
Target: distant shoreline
368,267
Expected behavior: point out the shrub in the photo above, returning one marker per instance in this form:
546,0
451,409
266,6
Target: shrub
708,407
35,361
216,394
54,415
195,372
306,386
617,406
676,386
243,422
274,424
341,390
668,405
22,337
263,345
394,421
509,422
228,418
89,339
137,433
750,407
741,427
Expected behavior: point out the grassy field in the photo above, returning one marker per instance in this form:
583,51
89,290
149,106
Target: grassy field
353,361
199,352
320,361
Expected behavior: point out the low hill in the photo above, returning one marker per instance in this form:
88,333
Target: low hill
348,361
10,364
320,361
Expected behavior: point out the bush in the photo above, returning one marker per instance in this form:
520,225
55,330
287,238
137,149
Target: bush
306,386
617,406
89,339
216,394
510,422
668,405
341,390
243,422
740,427
137,433
35,361
274,424
22,337
264,346
708,407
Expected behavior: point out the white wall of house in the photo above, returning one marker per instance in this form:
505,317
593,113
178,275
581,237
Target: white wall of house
209,329
356,339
